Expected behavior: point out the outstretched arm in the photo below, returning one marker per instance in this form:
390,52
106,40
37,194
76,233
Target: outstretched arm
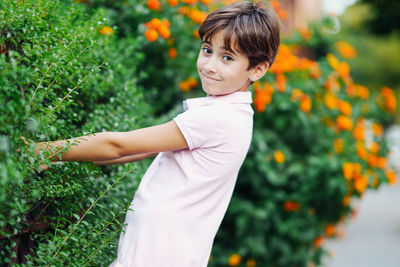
114,145
126,159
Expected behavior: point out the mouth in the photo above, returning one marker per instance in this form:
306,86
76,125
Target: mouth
209,78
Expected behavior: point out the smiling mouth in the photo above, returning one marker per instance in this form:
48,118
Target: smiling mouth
209,78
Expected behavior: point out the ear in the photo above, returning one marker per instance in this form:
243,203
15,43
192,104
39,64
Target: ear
259,71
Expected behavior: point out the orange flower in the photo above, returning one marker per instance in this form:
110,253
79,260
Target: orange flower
291,206
306,103
333,61
154,23
281,82
164,31
359,132
361,183
263,96
197,16
343,70
372,160
344,123
172,53
330,101
318,241
234,260
374,147
154,4
391,176
390,99
361,151
377,129
297,94
192,82
173,2
188,84
346,50
206,2
330,230
362,91
106,30
279,156
315,71
251,263
381,162
346,201
196,34
344,107
348,170
338,145
151,35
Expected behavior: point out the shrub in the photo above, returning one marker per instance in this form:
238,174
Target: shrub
63,74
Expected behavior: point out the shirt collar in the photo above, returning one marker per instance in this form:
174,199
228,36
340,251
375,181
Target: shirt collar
235,97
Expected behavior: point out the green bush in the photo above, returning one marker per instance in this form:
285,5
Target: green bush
60,78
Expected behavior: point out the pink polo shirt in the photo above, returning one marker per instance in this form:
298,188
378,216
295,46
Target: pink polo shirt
184,194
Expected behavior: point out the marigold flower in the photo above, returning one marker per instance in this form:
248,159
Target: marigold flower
381,162
291,206
374,147
330,230
173,3
358,132
346,201
315,71
154,4
151,35
362,92
184,86
306,103
372,160
343,70
279,156
197,16
154,23
346,50
305,33
351,89
251,262
338,145
391,176
361,151
106,30
192,82
330,101
377,129
172,53
361,183
318,241
164,31
196,34
263,96
206,2
297,94
234,260
333,61
344,107
281,82
348,170
344,123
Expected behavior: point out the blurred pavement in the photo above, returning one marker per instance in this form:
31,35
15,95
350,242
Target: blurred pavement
372,238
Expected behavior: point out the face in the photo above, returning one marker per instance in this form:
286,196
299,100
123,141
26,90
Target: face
222,70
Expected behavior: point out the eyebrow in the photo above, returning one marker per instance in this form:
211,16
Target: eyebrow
222,47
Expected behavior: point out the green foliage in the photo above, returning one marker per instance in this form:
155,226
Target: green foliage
61,78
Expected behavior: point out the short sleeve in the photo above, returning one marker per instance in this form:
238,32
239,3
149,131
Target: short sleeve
201,126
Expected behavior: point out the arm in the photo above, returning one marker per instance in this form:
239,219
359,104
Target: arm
125,159
114,145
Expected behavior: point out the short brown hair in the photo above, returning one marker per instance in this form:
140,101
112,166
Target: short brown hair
255,29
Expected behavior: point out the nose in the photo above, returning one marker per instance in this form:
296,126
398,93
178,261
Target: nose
210,65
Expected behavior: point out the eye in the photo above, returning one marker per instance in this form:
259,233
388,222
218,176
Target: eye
227,58
206,50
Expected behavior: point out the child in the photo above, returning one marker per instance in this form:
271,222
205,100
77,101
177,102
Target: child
184,194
